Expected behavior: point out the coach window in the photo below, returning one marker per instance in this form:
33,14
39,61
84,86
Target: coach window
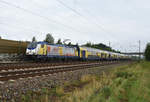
42,46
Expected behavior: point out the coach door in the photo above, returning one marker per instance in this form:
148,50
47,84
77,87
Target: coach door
83,54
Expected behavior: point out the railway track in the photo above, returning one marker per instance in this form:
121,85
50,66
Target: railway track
25,65
19,71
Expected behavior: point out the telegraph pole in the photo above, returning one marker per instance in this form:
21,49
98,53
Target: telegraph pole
109,44
139,50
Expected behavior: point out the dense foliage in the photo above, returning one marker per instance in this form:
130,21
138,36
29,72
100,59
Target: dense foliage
49,38
100,46
147,52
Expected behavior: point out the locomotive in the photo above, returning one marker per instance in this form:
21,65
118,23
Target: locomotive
44,50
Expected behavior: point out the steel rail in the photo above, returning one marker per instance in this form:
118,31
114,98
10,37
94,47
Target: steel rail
34,65
5,76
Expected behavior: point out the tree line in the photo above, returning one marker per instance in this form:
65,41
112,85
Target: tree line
100,46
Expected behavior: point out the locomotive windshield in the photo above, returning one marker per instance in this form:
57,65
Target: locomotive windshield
32,45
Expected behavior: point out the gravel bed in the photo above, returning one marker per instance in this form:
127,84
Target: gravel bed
12,90
6,58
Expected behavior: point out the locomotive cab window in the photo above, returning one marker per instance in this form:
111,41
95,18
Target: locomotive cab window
42,46
32,45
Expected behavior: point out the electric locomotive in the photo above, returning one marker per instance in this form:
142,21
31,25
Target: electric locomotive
44,50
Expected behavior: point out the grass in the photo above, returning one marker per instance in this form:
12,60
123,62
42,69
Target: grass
130,83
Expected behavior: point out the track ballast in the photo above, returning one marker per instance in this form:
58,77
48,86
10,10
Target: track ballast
16,71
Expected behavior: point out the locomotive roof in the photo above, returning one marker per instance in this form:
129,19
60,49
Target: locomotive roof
97,49
59,45
103,51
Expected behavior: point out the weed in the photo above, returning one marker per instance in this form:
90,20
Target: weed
106,92
123,74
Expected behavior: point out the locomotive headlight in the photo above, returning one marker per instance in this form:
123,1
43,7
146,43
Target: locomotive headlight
30,51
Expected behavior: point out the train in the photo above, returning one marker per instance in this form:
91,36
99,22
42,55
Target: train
45,51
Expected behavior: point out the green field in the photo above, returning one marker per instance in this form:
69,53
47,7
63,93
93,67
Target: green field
11,46
129,83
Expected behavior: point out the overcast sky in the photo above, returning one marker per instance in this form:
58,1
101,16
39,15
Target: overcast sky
121,22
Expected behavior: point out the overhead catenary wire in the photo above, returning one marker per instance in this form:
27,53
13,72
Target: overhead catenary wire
44,17
64,18
26,10
69,8
78,13
81,15
18,27
36,14
25,29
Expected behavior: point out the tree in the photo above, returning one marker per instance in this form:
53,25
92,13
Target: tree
0,37
59,41
34,39
147,52
49,38
88,44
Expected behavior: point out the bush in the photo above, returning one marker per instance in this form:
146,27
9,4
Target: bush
49,38
123,74
106,92
147,52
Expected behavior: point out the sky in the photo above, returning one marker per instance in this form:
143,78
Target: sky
122,23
